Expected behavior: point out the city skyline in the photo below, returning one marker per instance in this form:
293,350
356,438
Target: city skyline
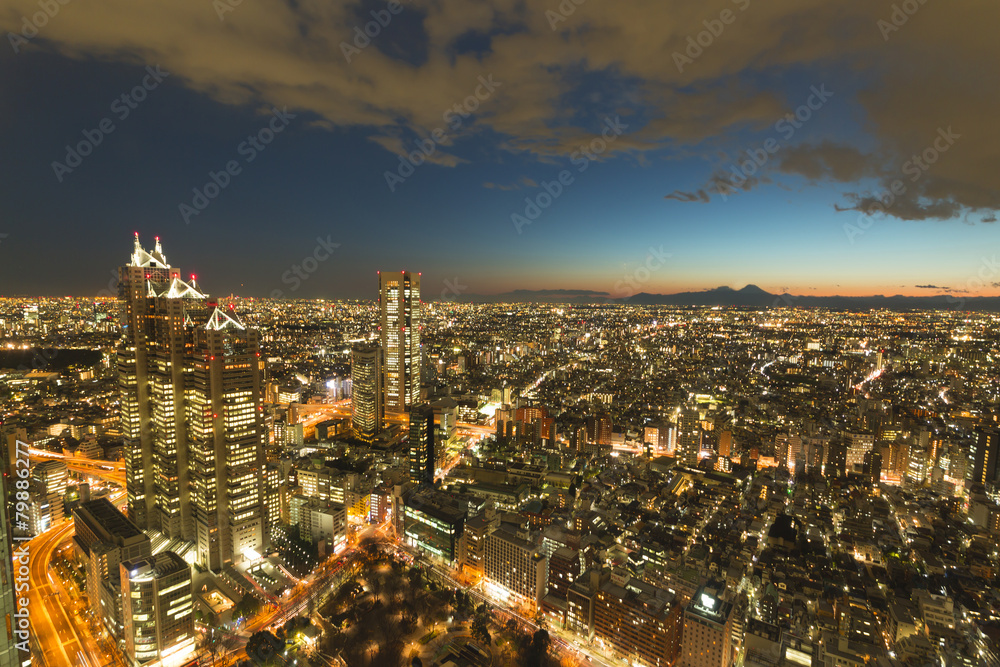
637,484
499,333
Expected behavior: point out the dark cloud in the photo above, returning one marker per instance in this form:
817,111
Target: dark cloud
828,160
909,206
699,195
930,287
720,185
524,181
935,71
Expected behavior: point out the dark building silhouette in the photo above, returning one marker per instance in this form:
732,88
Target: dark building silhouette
422,444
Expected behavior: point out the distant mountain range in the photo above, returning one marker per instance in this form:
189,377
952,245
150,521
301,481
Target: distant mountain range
750,296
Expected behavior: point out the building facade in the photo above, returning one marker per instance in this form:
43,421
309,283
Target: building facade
158,608
477,529
708,631
105,538
433,525
367,399
191,414
688,437
48,487
514,566
638,620
322,520
422,453
986,453
400,310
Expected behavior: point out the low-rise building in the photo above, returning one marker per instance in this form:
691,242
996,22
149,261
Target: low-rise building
157,608
514,566
640,621
708,630
105,538
431,523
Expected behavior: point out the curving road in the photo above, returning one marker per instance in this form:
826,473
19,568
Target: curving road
61,636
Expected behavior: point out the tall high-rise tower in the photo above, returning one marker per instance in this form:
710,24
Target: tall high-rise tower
135,280
367,400
422,458
872,468
985,453
688,437
399,304
190,381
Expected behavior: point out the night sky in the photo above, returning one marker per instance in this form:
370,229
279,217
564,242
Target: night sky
651,113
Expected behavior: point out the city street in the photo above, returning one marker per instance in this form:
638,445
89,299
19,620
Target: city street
60,631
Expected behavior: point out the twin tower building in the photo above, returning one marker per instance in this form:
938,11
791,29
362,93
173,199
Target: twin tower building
190,377
191,382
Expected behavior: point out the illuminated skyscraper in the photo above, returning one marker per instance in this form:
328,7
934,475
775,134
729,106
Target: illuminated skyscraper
599,429
399,304
688,437
872,468
422,444
836,459
985,452
226,443
367,400
190,381
135,281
